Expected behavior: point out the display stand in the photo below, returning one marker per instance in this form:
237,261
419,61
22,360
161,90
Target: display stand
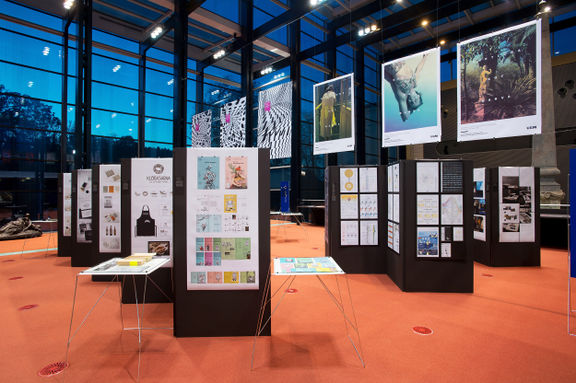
430,225
64,215
206,294
141,177
81,255
506,229
355,230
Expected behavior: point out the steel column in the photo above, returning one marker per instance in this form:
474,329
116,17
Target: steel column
360,108
180,72
296,160
331,159
142,102
247,28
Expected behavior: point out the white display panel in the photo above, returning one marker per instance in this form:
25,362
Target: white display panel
275,120
109,209
334,115
411,99
499,84
84,206
516,204
67,204
222,219
479,195
151,210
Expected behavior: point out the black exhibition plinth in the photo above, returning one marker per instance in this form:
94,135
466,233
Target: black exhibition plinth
432,274
65,244
354,259
161,277
81,255
492,252
205,313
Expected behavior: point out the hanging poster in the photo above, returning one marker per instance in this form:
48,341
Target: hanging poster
151,210
233,124
348,233
369,233
201,129
348,206
348,180
67,204
84,205
426,177
368,206
369,180
427,209
515,202
222,221
109,209
499,84
427,242
452,209
479,204
411,99
334,115
275,120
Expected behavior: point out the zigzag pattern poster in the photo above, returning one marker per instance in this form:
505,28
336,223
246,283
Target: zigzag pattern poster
233,128
275,120
201,128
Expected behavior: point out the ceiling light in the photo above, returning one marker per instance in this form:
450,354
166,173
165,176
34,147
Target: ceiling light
442,42
46,51
170,82
314,3
373,27
221,53
266,71
547,8
156,32
68,4
361,32
30,84
116,68
424,22
113,115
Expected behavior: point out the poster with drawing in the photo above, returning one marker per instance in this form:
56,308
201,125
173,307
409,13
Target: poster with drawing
499,84
109,202
427,242
201,130
67,204
479,195
233,124
516,207
222,221
334,115
151,206
411,99
275,120
84,205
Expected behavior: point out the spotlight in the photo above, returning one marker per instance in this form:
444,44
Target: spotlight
424,22
314,3
221,53
361,32
156,32
266,71
68,4
547,8
373,27
442,42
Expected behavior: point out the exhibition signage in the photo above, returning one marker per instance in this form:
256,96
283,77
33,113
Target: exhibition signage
499,84
84,205
222,219
411,99
233,128
284,196
201,129
480,223
109,209
334,115
67,204
275,120
516,210
572,188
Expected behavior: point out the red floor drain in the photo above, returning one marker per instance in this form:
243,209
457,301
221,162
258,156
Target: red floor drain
487,275
27,307
291,291
53,369
421,330
14,278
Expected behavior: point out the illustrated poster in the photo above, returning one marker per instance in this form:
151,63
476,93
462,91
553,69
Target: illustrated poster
427,242
499,84
427,177
233,124
222,220
348,233
84,205
348,180
67,204
151,210
275,120
109,209
334,115
479,211
516,211
201,129
368,206
348,206
452,209
411,99
427,209
369,233
369,180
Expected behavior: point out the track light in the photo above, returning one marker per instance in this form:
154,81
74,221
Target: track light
266,71
156,32
314,3
68,4
221,53
367,30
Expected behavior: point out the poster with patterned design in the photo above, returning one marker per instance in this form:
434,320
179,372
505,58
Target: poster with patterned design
233,124
275,120
201,129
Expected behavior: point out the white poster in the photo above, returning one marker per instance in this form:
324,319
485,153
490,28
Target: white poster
84,205
411,99
427,177
368,233
427,209
334,115
390,234
348,206
348,233
396,178
452,212
222,219
275,120
348,180
369,206
368,180
109,209
458,234
516,207
391,206
396,203
499,84
151,210
396,246
201,130
390,186
479,196
446,250
67,204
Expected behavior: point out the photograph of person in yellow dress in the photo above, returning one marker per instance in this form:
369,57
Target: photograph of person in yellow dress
333,109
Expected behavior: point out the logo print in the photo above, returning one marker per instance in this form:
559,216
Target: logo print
158,168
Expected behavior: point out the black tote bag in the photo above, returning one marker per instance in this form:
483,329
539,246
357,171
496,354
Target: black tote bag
145,225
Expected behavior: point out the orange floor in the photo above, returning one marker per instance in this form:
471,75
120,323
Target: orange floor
512,329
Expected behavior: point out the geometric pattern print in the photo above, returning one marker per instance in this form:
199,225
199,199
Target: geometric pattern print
233,120
201,128
275,120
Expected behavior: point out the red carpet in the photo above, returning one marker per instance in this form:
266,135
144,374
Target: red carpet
512,329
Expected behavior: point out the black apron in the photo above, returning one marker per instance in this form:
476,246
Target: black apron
145,225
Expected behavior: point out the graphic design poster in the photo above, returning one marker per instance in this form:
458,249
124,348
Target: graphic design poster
109,209
222,222
201,129
368,233
233,124
479,211
452,209
208,173
499,84
348,233
516,207
151,210
349,206
427,242
368,180
411,99
348,180
84,205
427,177
368,206
396,178
334,115
67,204
427,209
275,120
